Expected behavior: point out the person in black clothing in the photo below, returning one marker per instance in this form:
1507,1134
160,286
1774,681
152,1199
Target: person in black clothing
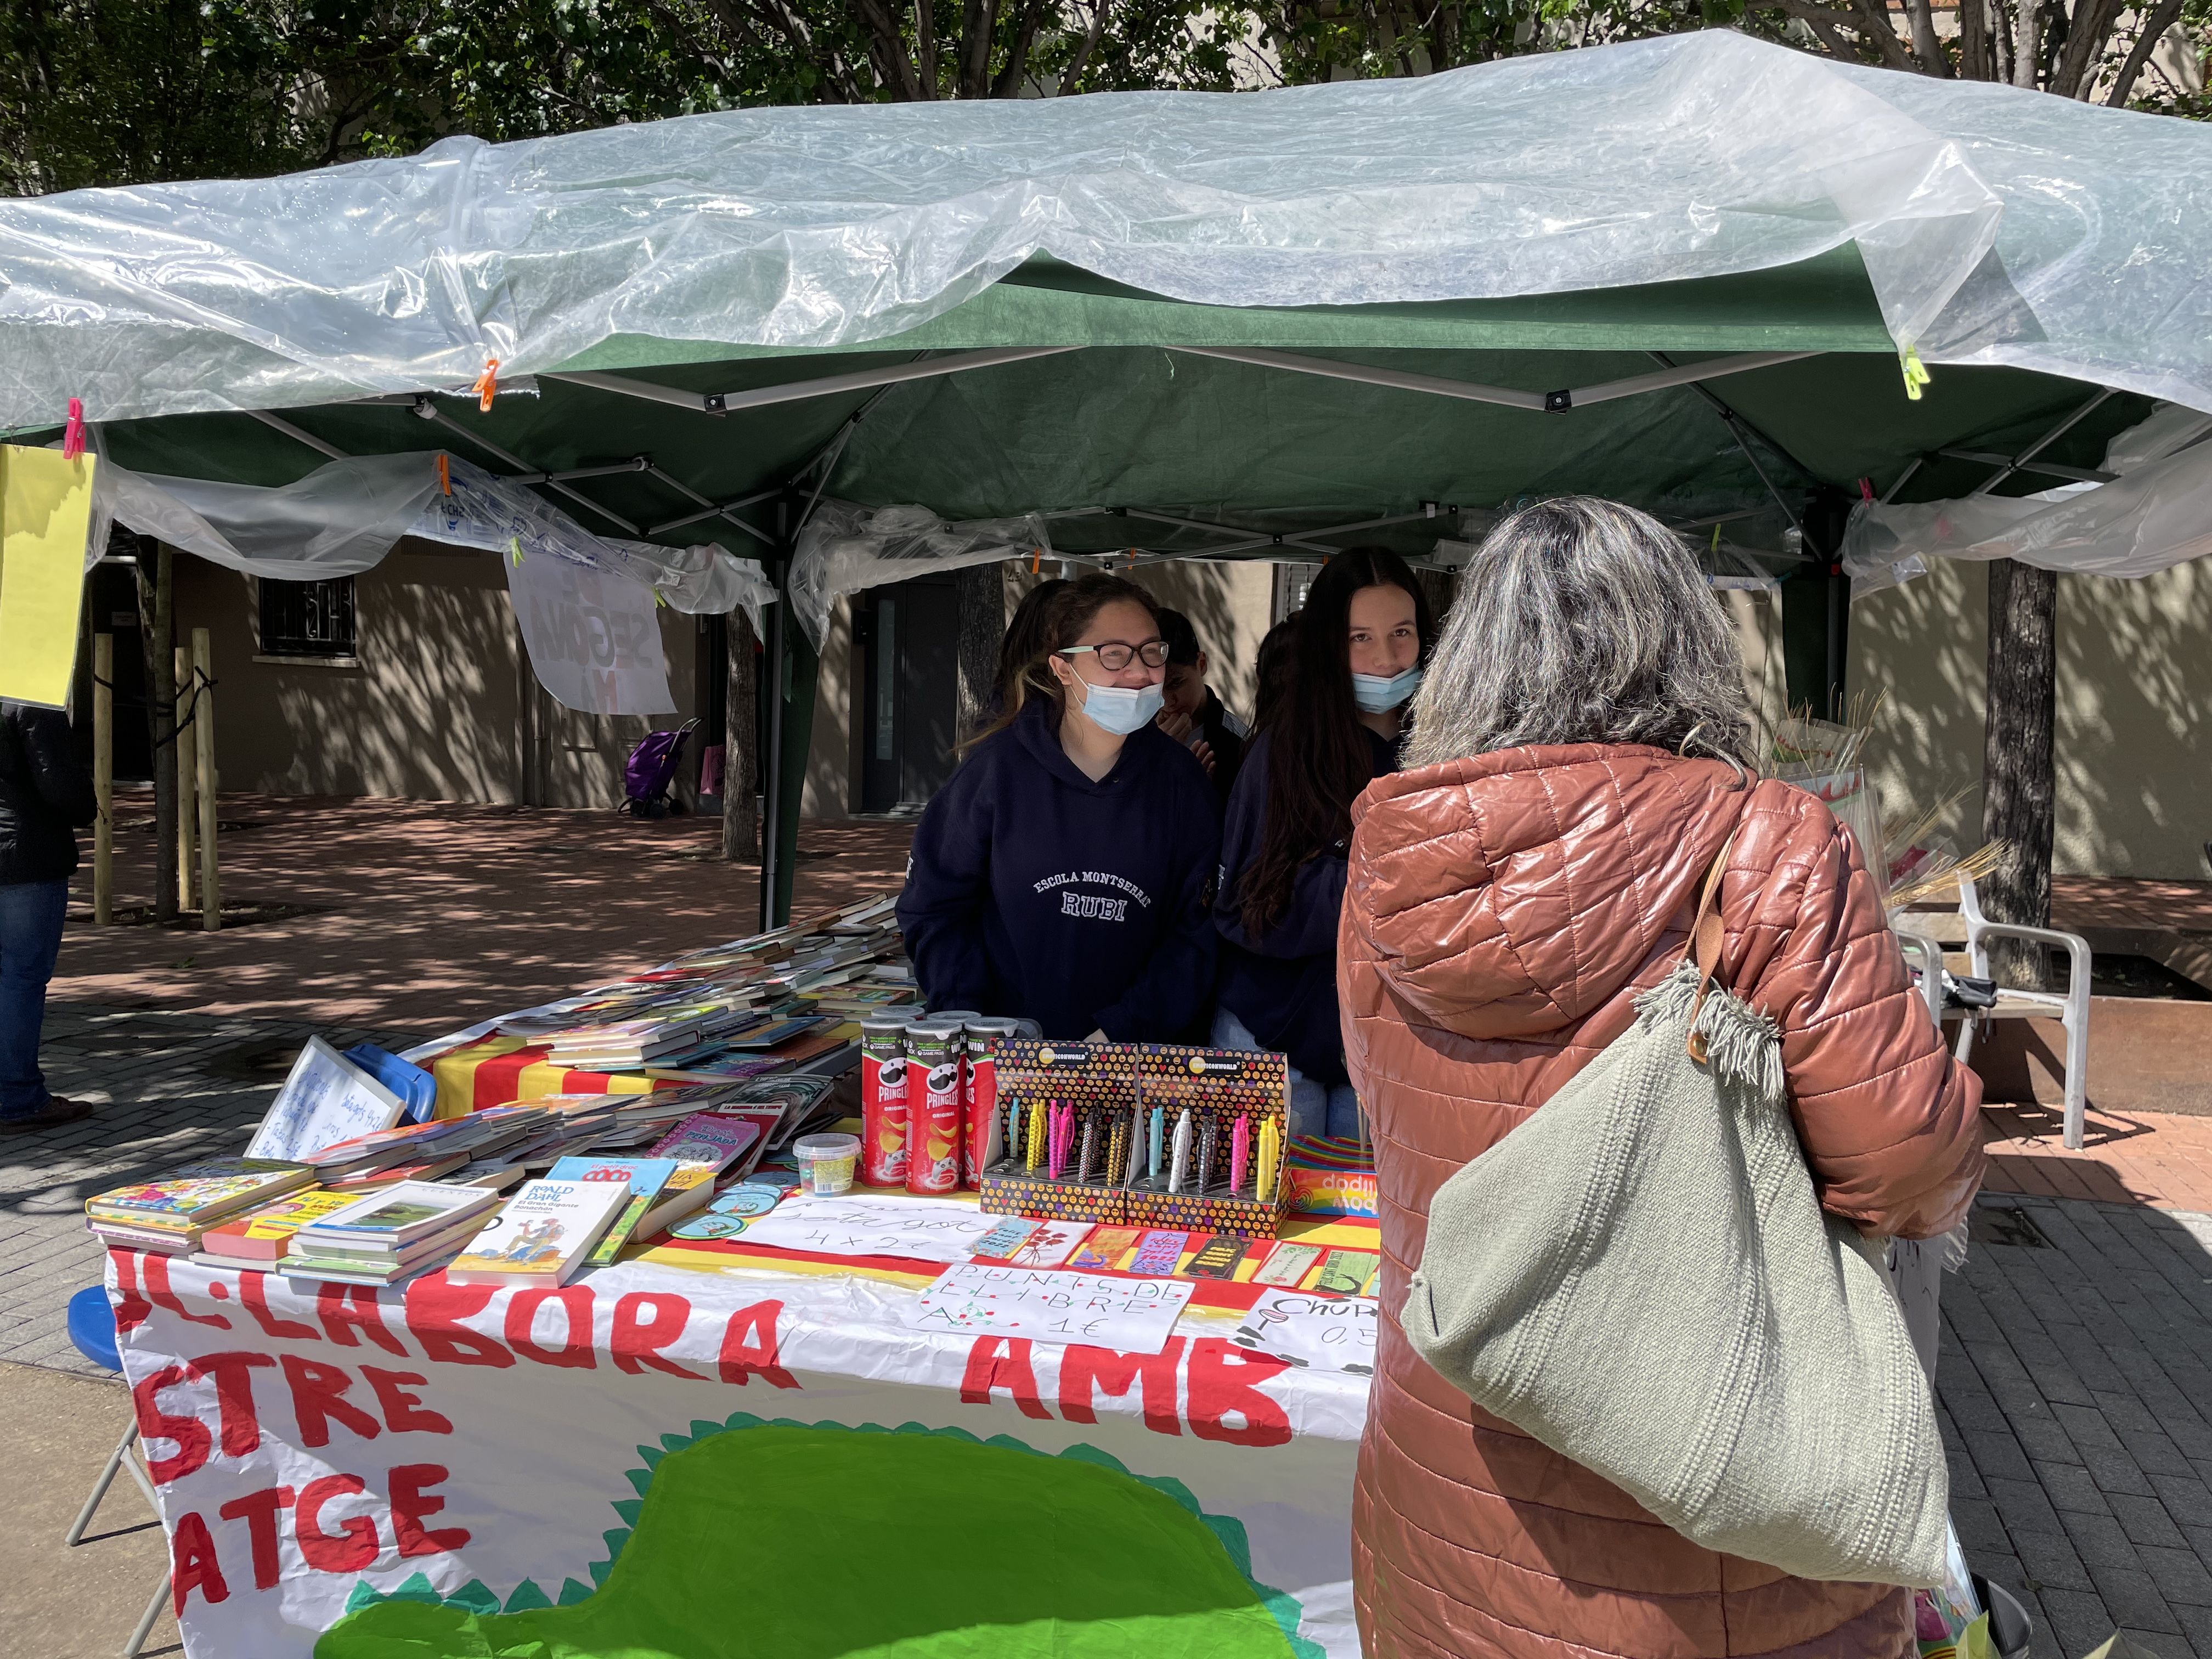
44,797
1191,714
1064,875
1329,729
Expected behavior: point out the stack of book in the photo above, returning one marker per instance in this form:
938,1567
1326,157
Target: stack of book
542,1235
389,1236
259,1237
171,1215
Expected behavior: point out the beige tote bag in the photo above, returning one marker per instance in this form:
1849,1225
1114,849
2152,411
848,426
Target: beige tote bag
1640,1277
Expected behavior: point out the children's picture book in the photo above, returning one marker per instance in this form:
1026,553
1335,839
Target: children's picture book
1287,1265
1103,1251
200,1193
398,1215
542,1235
708,1138
1346,1272
326,1099
648,1179
263,1235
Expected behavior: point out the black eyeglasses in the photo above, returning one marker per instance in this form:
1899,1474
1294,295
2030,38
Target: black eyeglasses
1114,656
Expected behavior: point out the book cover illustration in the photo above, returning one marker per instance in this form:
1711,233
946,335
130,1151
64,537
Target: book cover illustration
1103,1251
1217,1257
1346,1272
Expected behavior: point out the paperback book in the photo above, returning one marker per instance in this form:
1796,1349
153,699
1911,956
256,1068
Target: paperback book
542,1235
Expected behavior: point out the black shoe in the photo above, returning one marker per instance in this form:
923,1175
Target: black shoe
56,1112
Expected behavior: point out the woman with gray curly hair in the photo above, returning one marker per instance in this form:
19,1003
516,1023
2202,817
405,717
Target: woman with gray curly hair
1577,762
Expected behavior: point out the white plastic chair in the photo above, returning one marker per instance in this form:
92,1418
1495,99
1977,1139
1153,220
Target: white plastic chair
2069,1007
1930,960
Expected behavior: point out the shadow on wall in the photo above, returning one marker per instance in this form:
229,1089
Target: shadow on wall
2134,735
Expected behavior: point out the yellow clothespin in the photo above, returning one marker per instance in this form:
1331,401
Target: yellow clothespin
514,547
1916,374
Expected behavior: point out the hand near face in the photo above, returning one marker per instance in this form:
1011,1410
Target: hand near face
1176,723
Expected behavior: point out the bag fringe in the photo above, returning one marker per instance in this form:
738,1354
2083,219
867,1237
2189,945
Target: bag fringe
1743,1045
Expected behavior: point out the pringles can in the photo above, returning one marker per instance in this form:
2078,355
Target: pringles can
883,1102
979,1108
936,1051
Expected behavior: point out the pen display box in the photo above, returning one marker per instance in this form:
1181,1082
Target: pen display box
1078,1124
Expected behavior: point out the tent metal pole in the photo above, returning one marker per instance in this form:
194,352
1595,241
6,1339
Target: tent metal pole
298,436
2042,443
728,402
709,509
430,411
772,842
1903,479
1556,402
2048,469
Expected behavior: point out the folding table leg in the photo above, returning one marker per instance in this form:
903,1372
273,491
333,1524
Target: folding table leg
146,1624
115,1461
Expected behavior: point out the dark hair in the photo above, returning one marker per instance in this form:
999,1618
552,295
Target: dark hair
1060,622
1182,638
1025,640
1272,669
1315,774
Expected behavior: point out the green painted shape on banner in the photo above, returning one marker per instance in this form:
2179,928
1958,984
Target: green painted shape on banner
571,1592
816,1541
527,1598
476,1595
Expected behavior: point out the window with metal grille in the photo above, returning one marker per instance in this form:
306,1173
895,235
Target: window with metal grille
307,619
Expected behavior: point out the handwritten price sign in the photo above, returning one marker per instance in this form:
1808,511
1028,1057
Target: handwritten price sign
1328,1333
1131,1316
919,1228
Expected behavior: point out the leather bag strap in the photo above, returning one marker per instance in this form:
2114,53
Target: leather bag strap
1708,933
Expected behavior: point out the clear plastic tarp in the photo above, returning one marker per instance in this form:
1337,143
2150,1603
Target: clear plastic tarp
2156,513
845,548
586,604
1997,226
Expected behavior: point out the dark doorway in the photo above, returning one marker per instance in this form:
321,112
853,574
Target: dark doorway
111,604
906,637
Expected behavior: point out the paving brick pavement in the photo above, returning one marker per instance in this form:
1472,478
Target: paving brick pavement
2074,1395
170,1087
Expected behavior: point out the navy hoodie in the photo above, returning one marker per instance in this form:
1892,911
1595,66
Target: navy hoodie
1034,892
1283,985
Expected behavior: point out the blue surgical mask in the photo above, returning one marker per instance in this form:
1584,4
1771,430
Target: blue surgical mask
1376,695
1121,709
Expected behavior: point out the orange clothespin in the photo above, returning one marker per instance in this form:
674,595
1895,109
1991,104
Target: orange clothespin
1036,560
487,385
445,474
73,434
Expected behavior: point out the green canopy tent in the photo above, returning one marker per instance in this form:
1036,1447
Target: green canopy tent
1346,325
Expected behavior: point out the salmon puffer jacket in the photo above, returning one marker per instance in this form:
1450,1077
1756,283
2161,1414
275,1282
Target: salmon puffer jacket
1501,916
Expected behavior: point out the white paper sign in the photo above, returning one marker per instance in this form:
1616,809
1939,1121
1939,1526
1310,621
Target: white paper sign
326,1099
919,1228
980,1299
1328,1333
594,639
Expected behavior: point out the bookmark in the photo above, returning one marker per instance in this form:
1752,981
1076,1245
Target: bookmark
1135,1171
1264,1188
1240,1152
1033,1153
1056,1148
1117,1148
1179,1165
1205,1150
1155,1145
1090,1158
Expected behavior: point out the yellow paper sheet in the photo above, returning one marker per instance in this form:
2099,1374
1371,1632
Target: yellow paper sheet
45,517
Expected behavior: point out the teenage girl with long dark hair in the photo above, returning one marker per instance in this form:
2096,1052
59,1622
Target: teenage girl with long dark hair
1356,657
1061,876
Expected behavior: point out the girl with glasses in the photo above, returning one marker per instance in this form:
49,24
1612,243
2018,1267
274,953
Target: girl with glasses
1352,662
1063,876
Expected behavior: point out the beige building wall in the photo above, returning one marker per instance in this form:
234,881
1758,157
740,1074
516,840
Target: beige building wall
833,755
2134,729
439,703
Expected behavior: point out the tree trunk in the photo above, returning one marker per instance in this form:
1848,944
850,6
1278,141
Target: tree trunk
2018,782
979,595
740,742
156,626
